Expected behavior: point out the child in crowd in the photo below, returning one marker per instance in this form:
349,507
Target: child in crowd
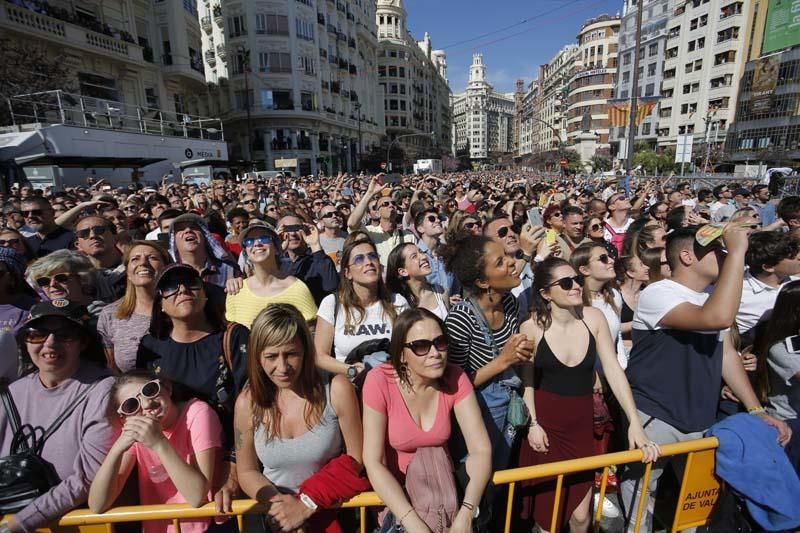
176,446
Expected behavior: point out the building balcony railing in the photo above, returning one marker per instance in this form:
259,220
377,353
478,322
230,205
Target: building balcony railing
211,57
117,44
205,23
221,52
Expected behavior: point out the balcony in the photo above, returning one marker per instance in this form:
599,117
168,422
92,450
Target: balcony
205,23
63,33
320,19
219,20
177,68
221,52
211,57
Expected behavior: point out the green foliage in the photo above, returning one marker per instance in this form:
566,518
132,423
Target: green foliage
601,163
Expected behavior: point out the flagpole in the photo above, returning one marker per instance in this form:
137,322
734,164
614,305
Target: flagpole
634,87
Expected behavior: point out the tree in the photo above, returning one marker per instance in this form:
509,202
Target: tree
601,163
647,159
29,69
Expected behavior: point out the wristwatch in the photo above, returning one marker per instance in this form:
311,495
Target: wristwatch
352,372
308,502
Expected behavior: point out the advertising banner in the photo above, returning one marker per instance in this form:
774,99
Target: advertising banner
765,76
782,29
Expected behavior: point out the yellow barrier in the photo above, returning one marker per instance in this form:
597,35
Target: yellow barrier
699,489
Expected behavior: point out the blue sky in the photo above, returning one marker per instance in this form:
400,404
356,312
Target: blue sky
510,54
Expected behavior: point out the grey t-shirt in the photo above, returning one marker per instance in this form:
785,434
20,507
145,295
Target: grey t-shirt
331,245
784,385
123,335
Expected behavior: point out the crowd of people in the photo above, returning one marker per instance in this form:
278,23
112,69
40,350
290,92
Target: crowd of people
300,340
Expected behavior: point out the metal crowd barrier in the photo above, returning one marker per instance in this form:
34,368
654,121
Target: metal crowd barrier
698,493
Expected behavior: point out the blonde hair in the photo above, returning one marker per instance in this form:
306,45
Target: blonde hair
128,302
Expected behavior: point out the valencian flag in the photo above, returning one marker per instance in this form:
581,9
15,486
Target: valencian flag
619,110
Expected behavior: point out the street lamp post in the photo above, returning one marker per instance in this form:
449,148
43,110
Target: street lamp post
357,107
389,149
246,54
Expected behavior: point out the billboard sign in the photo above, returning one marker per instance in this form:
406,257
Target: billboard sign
782,29
765,77
683,149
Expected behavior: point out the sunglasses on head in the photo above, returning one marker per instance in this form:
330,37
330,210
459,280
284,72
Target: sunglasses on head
132,405
171,287
568,282
39,336
261,239
361,259
45,281
422,347
5,243
85,233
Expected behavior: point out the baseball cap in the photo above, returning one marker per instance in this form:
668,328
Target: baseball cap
62,308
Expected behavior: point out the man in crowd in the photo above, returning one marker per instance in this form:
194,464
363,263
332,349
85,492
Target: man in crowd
304,257
49,237
331,238
761,203
191,243
572,235
722,208
430,229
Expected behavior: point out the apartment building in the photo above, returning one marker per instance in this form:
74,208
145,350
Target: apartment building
529,121
142,53
297,80
592,85
483,119
703,60
413,87
766,127
655,17
551,105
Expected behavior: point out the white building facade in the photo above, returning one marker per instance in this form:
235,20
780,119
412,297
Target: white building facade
529,121
413,89
483,119
551,106
703,60
307,73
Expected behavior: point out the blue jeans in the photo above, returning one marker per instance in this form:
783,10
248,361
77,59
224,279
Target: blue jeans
493,399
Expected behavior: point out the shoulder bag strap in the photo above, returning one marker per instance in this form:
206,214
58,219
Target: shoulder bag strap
484,324
64,415
227,337
9,406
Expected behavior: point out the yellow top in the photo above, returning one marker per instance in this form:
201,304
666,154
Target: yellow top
244,307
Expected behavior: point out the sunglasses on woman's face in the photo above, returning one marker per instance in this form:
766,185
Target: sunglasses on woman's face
5,243
556,215
132,405
471,225
568,282
171,287
422,347
361,259
61,279
595,227
263,240
604,258
39,336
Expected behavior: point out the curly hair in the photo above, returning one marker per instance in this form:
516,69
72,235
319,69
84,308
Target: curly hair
465,258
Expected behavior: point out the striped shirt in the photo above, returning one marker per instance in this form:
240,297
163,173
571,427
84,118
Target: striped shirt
468,348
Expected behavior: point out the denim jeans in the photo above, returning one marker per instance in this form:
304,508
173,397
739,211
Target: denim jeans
493,399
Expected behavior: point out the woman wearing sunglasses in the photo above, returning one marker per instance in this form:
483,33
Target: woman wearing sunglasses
299,429
408,404
363,309
11,238
265,284
186,344
123,323
569,337
175,445
65,274
406,274
66,362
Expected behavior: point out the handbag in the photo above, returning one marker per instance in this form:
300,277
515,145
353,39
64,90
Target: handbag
431,487
518,415
24,474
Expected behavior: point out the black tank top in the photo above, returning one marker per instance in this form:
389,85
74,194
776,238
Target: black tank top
626,313
554,376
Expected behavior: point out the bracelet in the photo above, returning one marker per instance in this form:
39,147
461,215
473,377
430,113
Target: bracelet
468,505
404,516
756,410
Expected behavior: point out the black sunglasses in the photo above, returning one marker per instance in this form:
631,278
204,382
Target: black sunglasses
32,213
4,243
422,347
604,258
249,202
595,227
58,278
568,282
171,287
432,218
388,204
85,233
329,214
471,225
39,336
502,231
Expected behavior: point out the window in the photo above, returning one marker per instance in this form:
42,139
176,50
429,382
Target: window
308,101
626,76
650,89
652,49
304,30
626,59
276,62
651,69
242,99
273,24
237,26
646,128
307,65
